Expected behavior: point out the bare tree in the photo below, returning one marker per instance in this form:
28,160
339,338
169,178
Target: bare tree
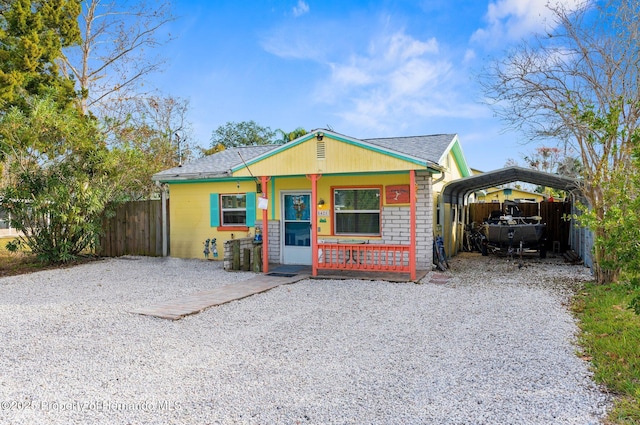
578,84
114,56
155,136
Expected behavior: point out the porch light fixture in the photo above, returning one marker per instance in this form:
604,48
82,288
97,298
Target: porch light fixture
321,203
319,135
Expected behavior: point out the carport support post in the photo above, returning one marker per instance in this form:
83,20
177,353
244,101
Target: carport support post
265,228
412,220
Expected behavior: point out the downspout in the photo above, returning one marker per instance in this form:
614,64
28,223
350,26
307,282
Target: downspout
443,175
163,197
441,202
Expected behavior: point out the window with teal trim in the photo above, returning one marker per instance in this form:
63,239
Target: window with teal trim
238,209
233,210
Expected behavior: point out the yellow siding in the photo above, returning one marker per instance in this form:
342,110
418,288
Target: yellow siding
190,220
340,157
451,173
190,208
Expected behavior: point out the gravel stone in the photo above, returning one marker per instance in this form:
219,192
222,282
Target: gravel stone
494,345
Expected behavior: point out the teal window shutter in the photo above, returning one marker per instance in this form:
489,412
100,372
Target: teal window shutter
251,209
214,209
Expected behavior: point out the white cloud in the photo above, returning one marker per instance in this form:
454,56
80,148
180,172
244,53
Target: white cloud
395,64
351,74
300,9
396,81
415,75
290,42
401,47
399,83
469,56
514,19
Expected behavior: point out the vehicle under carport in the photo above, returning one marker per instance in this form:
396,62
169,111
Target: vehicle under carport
453,205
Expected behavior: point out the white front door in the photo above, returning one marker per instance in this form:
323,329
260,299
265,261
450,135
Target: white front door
296,231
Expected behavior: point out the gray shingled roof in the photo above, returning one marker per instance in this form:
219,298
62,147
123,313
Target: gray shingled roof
428,148
211,166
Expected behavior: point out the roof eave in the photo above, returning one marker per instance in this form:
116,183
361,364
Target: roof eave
434,168
167,178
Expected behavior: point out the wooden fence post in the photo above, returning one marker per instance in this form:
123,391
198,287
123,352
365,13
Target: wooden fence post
246,259
235,247
257,258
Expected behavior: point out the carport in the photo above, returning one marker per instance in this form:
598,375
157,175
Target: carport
454,199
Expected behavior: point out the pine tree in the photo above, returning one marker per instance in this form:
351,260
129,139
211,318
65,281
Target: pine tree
32,36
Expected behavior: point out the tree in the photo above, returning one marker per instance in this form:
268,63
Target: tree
244,133
59,178
578,84
214,149
154,137
544,158
548,160
627,238
110,66
290,136
56,170
32,37
113,59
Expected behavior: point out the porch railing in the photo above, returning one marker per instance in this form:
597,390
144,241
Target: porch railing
364,256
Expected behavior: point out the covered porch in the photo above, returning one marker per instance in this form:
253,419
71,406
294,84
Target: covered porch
332,253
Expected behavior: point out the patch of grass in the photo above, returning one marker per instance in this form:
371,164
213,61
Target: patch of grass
610,339
13,263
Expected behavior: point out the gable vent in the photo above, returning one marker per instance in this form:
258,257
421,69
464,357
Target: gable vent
320,150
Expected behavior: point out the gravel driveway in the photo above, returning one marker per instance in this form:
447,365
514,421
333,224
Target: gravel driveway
491,346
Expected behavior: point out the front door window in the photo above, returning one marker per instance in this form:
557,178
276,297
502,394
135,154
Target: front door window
297,222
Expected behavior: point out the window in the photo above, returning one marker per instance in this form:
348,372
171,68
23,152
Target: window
356,211
233,210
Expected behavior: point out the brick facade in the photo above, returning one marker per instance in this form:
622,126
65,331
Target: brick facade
274,240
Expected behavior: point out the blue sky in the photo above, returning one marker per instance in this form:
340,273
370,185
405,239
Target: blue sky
364,68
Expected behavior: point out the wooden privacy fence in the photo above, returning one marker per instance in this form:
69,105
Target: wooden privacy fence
557,216
135,229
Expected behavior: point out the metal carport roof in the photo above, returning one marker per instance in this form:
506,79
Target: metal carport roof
456,191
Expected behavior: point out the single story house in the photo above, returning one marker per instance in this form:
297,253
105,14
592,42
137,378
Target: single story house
326,200
499,195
